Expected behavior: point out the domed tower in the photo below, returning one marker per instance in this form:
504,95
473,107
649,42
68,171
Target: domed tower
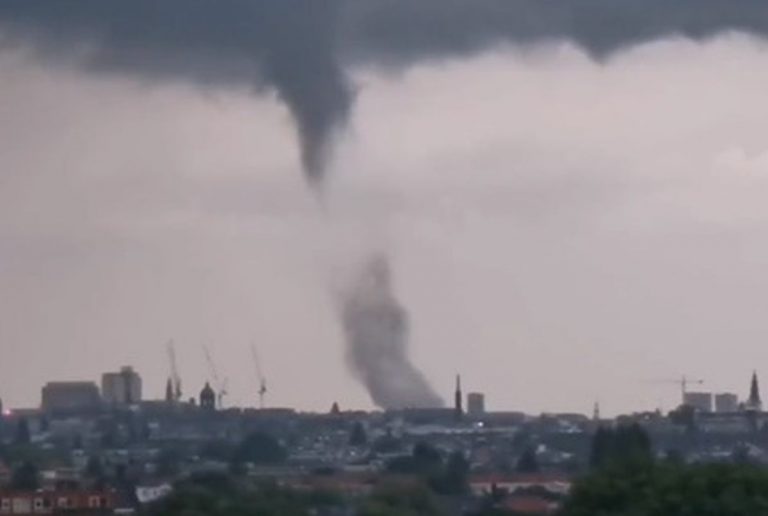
207,398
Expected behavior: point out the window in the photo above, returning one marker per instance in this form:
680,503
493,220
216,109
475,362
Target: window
5,505
63,501
94,502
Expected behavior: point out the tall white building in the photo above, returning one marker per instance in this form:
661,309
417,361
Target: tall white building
122,387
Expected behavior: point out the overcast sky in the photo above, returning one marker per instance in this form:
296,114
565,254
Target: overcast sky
561,231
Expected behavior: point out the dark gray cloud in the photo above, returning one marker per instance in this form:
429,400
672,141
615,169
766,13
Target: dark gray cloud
284,45
301,48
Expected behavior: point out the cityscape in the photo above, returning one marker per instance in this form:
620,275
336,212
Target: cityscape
111,448
466,233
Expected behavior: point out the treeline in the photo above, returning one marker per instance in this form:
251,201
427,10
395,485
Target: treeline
628,480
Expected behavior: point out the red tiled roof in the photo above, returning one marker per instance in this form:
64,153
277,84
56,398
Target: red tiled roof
520,478
528,505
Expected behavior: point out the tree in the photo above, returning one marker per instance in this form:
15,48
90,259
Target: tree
397,499
23,435
684,415
669,489
455,477
358,435
25,477
168,462
625,444
528,463
424,460
261,448
220,495
94,469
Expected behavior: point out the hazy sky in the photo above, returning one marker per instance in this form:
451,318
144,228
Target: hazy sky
561,231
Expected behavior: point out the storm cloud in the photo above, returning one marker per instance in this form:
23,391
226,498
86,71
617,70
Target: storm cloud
302,49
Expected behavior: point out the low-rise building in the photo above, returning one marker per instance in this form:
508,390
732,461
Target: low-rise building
70,396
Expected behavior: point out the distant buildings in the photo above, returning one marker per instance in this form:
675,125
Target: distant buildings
55,502
726,402
701,401
122,387
66,396
475,404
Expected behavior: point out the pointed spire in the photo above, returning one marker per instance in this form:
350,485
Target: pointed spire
596,412
169,391
458,399
754,402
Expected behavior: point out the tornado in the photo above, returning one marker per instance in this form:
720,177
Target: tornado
376,329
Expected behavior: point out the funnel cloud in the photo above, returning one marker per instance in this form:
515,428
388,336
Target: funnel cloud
376,330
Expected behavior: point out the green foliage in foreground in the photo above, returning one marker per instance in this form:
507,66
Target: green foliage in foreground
670,489
220,495
395,499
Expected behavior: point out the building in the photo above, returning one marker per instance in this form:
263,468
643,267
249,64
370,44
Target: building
701,401
475,404
726,402
207,398
457,399
57,502
69,396
122,387
754,404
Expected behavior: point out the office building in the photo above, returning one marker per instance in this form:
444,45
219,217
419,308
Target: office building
475,404
122,387
726,402
70,396
701,401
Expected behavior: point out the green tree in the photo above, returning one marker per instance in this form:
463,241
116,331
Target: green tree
400,499
455,477
94,469
528,463
358,435
25,477
624,444
671,489
221,495
23,435
261,448
424,460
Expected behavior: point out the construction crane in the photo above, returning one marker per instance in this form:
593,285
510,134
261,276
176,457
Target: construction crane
684,382
219,384
175,379
259,376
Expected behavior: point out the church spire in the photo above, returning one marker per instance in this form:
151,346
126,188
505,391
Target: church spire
169,391
754,402
457,404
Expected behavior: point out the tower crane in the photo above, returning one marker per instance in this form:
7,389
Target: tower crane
221,385
175,379
259,376
684,382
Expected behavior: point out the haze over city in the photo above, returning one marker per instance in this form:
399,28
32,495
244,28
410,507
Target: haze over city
560,229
